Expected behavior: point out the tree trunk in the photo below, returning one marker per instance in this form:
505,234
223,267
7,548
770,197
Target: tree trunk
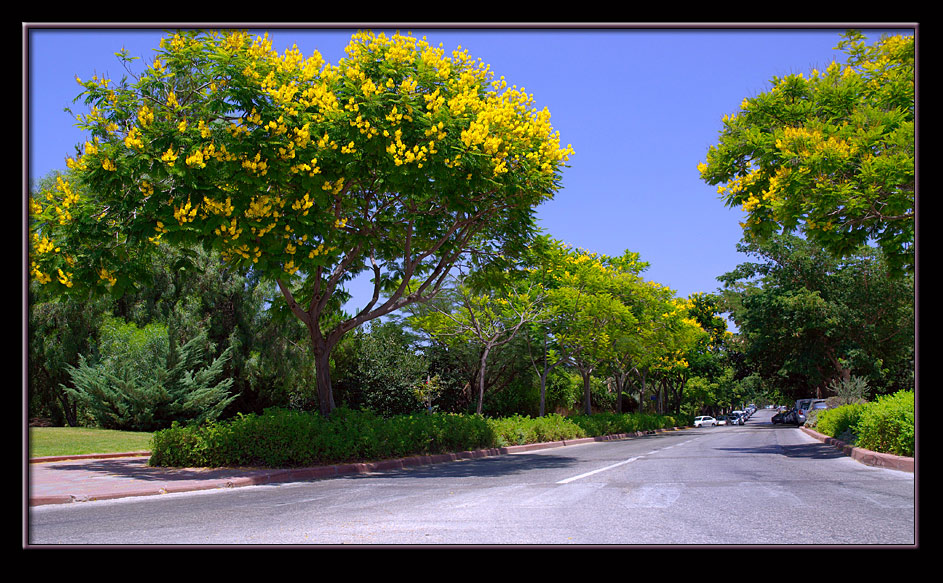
543,382
620,378
587,405
481,379
322,366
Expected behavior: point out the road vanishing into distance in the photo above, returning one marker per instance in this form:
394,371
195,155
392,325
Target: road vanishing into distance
757,484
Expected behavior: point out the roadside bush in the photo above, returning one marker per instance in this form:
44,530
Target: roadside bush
614,423
291,438
840,422
142,382
887,424
522,430
288,438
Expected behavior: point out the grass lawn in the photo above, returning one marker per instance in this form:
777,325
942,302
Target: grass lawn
46,441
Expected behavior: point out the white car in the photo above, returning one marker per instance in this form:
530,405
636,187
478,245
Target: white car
704,421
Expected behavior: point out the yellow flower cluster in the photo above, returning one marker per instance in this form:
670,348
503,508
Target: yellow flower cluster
105,275
43,245
196,159
169,157
232,230
133,139
145,116
218,208
65,278
263,206
256,164
334,187
37,274
185,213
303,204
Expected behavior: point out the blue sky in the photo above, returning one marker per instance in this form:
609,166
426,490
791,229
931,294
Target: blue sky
639,106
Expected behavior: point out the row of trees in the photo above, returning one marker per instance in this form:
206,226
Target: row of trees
592,313
564,330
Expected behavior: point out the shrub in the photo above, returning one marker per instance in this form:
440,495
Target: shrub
522,430
288,438
615,423
142,383
291,438
840,422
887,425
851,390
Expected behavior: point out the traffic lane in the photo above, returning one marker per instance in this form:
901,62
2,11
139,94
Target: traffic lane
326,511
753,485
705,486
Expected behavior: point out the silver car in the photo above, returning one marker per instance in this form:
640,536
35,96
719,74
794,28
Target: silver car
704,421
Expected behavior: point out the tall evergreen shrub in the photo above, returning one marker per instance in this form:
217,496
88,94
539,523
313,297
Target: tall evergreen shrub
141,382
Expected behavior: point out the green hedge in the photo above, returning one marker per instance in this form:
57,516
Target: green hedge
885,425
285,438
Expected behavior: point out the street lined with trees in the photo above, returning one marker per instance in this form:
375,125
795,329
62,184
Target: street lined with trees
196,250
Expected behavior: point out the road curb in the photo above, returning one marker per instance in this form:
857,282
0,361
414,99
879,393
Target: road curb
307,473
866,456
86,456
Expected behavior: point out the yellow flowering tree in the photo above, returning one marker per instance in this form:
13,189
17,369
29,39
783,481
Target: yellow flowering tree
585,293
395,162
830,153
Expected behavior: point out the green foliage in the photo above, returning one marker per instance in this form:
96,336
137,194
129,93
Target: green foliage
287,438
522,430
616,423
397,161
142,383
887,425
806,318
830,153
840,422
850,390
384,372
57,333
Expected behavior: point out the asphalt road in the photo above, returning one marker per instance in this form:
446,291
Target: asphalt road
753,485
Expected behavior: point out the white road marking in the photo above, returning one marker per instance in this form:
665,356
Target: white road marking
574,478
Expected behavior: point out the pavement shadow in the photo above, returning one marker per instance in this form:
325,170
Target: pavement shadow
818,451
484,467
137,469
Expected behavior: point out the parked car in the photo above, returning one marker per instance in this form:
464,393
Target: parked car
704,421
734,419
777,418
790,417
803,406
721,420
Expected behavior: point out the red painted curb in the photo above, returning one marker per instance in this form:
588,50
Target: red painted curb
865,456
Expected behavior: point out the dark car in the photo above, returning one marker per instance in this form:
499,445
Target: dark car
790,417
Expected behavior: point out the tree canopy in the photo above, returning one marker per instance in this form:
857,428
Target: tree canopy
396,162
806,318
830,153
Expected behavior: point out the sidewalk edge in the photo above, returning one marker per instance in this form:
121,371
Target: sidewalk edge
865,456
